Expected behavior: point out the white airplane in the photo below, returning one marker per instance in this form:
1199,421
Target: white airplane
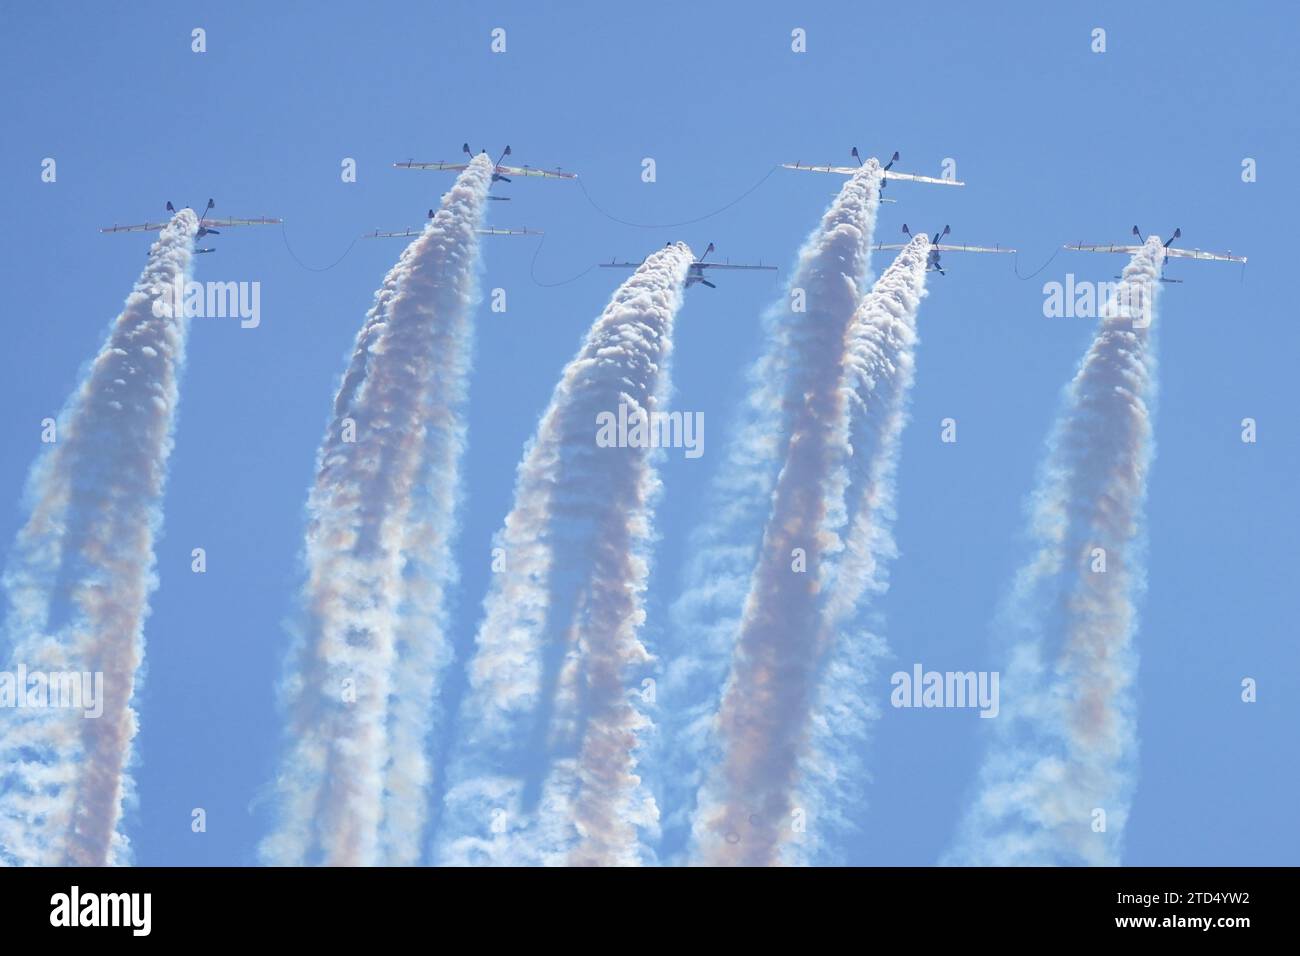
932,261
887,172
412,233
500,173
696,273
1169,251
206,225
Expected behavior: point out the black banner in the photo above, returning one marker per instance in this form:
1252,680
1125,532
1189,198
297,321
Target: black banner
335,906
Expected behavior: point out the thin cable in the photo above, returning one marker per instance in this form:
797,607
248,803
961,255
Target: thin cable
1016,266
685,222
532,269
285,236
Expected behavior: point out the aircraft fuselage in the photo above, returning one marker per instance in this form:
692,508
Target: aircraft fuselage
696,274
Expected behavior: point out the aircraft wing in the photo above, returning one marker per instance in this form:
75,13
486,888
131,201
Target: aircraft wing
1103,247
1200,254
728,265
841,170
964,248
412,233
914,178
259,221
405,233
530,171
621,265
886,173
140,227
448,167
890,246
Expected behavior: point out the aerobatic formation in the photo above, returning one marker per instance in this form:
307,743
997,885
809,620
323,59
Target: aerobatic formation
756,723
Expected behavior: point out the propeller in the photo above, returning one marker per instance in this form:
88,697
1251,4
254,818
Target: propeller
883,181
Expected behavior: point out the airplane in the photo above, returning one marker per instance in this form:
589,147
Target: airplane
499,173
932,260
413,233
1168,251
696,272
887,173
206,225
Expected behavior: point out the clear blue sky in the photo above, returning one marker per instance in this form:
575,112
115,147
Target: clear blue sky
1057,144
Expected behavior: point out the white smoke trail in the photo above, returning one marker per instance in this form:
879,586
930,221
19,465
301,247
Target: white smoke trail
545,772
364,680
802,356
819,557
879,372
81,574
1066,742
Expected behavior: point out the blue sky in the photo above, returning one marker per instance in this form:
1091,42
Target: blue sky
1057,144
